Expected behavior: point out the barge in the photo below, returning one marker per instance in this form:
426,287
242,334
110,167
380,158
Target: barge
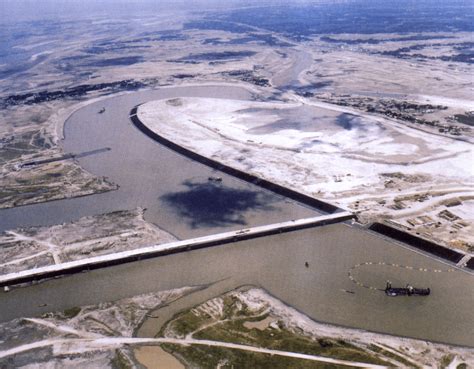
406,291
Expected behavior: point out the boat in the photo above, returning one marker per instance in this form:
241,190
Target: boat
406,291
101,110
215,179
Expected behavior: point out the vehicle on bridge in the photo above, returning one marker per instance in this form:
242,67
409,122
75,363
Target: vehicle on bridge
409,290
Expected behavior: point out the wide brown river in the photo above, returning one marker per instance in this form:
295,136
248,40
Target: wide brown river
322,290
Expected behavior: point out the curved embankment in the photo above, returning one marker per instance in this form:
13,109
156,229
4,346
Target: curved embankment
251,178
399,235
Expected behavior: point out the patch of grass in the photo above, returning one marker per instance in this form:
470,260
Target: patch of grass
120,361
212,357
234,331
7,155
72,312
186,323
280,339
231,329
446,360
393,356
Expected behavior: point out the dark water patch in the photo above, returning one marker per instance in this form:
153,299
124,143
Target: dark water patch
20,66
215,205
464,57
459,58
212,41
370,41
463,46
270,40
254,110
373,41
72,64
112,62
312,124
264,39
309,90
279,125
301,119
213,25
213,56
173,37
178,61
113,48
10,71
183,76
159,38
248,76
405,50
467,118
164,35
465,52
348,121
234,41
74,58
316,142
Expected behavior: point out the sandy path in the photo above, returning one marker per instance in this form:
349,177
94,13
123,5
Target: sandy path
107,343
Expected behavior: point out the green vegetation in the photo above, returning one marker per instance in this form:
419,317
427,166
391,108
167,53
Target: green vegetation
72,312
393,356
120,361
186,323
212,357
230,328
446,360
285,340
18,146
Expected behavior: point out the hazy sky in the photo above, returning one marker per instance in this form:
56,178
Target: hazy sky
20,10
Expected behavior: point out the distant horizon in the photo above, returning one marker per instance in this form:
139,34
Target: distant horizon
13,11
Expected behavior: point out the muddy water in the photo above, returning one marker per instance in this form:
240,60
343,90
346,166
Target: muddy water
277,264
176,191
154,357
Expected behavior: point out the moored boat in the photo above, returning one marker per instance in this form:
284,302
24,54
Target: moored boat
406,291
